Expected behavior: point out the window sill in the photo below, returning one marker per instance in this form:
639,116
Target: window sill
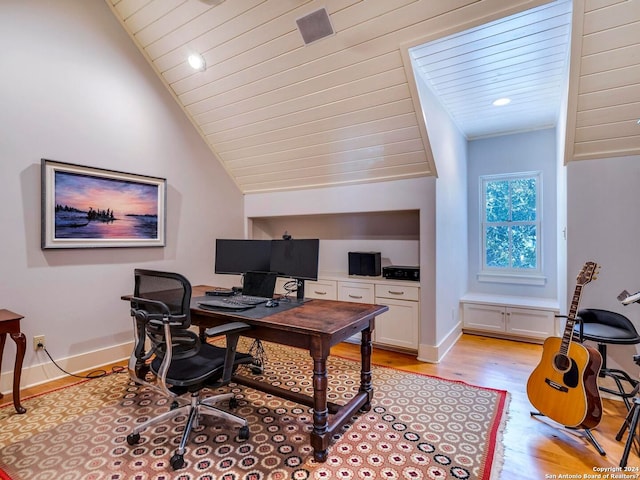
512,278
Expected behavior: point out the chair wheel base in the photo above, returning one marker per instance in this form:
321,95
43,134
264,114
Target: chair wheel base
177,461
133,438
243,434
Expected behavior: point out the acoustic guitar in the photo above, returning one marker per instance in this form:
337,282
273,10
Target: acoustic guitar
564,385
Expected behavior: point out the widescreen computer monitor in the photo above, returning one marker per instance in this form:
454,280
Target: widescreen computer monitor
240,256
296,259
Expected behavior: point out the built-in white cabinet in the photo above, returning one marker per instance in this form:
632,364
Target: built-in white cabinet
522,318
397,328
358,292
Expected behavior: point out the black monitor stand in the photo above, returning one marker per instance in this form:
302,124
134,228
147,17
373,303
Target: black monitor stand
299,289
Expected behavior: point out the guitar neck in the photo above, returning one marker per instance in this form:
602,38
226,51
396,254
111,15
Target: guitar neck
571,321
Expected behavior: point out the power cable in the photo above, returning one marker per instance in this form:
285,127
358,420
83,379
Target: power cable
91,375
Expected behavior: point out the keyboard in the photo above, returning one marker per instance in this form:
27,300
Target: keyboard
225,304
250,299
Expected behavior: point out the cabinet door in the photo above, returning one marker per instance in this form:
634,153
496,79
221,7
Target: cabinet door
484,317
531,323
399,325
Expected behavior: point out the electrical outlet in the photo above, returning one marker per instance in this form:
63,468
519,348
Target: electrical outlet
38,342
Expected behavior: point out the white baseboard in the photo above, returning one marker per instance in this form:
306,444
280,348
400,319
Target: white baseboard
47,371
435,353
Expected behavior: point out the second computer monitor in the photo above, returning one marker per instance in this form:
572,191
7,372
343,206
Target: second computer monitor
295,258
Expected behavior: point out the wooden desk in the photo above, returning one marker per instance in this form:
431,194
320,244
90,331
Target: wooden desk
315,326
10,323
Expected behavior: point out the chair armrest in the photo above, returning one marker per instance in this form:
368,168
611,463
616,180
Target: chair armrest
138,300
226,328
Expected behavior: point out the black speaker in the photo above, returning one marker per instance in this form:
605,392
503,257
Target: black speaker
364,263
315,26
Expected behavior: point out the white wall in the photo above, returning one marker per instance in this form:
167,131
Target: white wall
523,152
604,227
77,90
449,149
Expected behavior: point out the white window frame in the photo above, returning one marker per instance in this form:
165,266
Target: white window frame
511,275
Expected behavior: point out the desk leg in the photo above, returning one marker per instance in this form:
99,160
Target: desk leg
319,436
3,338
21,344
365,368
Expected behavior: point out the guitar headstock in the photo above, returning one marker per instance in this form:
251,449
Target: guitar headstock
588,273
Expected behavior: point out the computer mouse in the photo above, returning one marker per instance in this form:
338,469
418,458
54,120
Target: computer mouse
271,303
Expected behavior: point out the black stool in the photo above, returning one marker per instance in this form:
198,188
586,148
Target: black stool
605,327
630,422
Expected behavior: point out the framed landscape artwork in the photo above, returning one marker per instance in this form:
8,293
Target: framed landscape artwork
86,207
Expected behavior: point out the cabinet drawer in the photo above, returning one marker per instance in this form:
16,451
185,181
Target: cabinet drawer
356,292
397,291
322,289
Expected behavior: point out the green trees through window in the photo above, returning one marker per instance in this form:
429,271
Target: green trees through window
511,224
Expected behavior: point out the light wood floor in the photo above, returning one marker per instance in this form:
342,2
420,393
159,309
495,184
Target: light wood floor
534,447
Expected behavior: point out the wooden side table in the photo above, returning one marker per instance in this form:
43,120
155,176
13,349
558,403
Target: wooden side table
10,323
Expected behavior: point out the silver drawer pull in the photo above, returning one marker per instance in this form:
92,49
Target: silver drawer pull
355,296
395,293
319,293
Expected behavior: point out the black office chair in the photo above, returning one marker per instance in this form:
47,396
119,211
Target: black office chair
605,327
179,360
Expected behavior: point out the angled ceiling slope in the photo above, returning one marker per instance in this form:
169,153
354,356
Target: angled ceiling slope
279,114
604,91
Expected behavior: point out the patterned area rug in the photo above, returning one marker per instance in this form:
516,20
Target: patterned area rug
419,427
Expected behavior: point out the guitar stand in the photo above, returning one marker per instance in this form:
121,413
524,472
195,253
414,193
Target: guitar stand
631,421
586,431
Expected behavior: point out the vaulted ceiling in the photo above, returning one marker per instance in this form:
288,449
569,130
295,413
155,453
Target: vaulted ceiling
279,114
522,58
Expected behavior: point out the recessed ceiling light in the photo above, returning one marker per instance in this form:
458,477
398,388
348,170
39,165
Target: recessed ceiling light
501,102
197,62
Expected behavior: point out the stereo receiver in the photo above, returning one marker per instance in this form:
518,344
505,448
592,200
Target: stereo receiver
401,272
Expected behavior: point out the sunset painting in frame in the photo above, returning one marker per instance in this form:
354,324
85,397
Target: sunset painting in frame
86,207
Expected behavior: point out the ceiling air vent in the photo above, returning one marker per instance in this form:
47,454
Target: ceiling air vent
315,26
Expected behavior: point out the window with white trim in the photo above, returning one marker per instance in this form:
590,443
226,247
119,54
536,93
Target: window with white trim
511,223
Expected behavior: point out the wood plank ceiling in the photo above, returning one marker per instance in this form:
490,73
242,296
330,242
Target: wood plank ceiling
523,58
281,115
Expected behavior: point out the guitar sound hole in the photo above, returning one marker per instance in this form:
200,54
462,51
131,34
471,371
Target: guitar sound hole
562,362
